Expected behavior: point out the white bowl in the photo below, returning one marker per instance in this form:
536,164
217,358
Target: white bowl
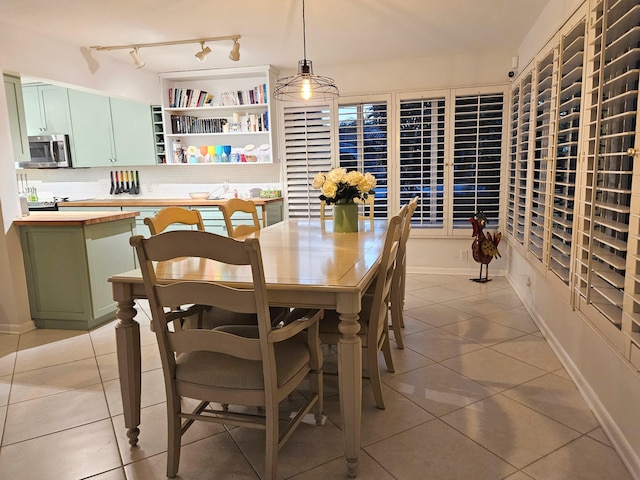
200,195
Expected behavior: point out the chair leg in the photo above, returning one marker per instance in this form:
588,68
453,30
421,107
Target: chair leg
374,376
397,323
174,427
386,351
272,441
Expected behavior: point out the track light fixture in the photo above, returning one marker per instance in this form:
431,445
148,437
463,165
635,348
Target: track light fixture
201,55
305,85
235,51
136,59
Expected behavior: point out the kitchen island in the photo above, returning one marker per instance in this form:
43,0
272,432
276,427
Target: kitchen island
270,210
68,257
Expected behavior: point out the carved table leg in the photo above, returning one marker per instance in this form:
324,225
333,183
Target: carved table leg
129,365
350,382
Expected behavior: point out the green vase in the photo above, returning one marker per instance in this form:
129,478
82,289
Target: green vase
345,217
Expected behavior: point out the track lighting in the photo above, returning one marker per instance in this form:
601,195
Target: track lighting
136,59
202,54
235,51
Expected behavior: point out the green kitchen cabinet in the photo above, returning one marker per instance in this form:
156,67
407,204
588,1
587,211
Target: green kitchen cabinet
17,123
46,109
68,267
110,132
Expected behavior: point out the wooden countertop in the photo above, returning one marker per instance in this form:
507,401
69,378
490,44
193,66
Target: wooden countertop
72,218
126,201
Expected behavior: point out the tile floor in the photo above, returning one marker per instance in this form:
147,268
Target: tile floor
477,394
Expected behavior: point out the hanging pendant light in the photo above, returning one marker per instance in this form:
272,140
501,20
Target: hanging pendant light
305,85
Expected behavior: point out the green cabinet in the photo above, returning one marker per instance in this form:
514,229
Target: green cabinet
46,109
17,123
109,132
68,267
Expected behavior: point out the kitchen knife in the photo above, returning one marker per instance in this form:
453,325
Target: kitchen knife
137,183
113,185
121,182
127,189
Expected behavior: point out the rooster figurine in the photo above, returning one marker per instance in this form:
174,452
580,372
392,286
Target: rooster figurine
484,246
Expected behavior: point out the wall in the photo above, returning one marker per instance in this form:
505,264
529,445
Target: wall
607,381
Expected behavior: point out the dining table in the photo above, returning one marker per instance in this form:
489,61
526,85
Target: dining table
305,264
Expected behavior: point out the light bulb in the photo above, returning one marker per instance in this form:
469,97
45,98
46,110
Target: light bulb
306,92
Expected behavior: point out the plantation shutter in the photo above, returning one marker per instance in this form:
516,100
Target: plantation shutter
422,153
307,151
477,157
363,132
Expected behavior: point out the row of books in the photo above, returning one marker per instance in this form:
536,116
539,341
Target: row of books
193,98
254,96
188,98
181,124
188,124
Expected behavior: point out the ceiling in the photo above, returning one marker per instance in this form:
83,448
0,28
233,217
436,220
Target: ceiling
337,31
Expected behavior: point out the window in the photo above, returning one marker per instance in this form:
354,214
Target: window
422,153
363,145
450,190
477,155
307,148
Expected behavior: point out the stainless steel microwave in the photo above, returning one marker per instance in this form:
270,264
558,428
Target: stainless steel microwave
48,151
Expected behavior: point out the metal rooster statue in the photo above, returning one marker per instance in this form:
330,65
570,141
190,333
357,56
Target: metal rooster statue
484,246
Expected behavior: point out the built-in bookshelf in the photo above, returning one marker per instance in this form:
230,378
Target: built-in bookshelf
218,116
158,134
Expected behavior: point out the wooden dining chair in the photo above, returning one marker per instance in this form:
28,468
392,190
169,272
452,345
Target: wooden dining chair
400,275
172,216
254,366
230,208
368,209
374,315
211,317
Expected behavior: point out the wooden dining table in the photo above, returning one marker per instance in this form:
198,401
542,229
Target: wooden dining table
306,264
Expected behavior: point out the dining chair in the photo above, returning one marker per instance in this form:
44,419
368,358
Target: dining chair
368,211
374,314
233,206
400,275
323,212
171,216
253,366
210,317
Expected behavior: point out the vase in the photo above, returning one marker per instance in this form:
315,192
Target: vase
345,217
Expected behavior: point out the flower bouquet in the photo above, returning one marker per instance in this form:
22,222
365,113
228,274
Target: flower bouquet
339,186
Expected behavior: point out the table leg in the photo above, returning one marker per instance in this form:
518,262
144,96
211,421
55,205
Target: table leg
350,384
129,363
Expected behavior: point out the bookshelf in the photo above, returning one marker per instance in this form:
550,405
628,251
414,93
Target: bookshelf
218,116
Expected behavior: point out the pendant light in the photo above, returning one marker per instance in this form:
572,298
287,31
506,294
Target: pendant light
305,85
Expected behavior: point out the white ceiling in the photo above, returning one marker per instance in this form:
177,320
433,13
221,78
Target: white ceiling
337,31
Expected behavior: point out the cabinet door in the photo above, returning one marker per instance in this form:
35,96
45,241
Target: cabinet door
55,108
32,110
17,125
46,109
91,129
132,133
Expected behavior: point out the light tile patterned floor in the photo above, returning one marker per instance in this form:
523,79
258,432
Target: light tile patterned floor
477,394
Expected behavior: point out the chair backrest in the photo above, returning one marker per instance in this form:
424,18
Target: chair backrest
172,246
401,266
323,212
233,205
172,215
368,210
381,294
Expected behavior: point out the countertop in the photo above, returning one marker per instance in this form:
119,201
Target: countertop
72,218
128,201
